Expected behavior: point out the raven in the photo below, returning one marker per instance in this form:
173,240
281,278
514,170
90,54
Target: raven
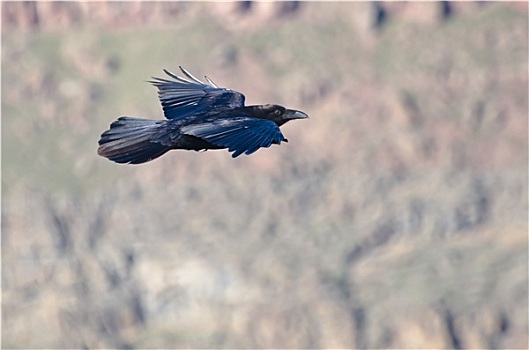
199,117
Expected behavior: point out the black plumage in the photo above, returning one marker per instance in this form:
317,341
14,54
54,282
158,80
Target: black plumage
200,116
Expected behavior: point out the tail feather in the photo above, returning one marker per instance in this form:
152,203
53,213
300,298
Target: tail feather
129,140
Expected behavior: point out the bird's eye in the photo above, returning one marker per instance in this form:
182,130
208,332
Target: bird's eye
277,112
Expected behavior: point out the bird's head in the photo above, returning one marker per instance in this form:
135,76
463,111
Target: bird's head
279,114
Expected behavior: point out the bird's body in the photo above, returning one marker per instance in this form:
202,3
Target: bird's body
199,117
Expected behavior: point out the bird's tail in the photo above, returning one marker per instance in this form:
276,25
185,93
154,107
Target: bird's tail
130,140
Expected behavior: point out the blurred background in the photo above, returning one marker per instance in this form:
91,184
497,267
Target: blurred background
396,216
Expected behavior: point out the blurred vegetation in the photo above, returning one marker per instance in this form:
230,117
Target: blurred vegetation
396,217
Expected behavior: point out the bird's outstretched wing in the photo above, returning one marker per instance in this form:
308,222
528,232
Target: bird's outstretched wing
183,97
238,134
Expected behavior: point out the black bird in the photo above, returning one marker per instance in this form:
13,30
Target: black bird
199,117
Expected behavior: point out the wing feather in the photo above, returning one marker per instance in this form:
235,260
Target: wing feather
210,82
238,134
183,97
190,76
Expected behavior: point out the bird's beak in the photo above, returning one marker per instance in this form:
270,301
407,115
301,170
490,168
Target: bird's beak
291,114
